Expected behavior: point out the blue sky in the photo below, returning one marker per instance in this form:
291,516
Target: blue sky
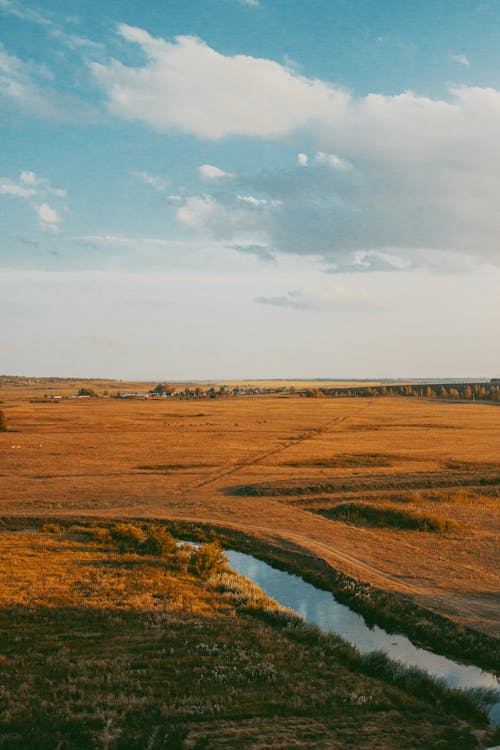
250,188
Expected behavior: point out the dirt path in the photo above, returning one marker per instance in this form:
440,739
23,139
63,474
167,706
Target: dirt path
315,548
254,459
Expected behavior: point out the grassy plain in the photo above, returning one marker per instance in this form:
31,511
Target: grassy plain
277,467
109,649
106,647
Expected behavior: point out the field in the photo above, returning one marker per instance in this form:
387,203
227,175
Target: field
106,646
278,467
399,494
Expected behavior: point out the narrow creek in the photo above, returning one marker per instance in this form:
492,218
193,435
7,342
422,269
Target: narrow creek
320,608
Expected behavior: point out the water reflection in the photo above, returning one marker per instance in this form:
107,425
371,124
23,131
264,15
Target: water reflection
320,608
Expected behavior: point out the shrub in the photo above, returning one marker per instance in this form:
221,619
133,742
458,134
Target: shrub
363,514
92,533
3,422
127,535
52,528
158,542
183,556
101,535
207,560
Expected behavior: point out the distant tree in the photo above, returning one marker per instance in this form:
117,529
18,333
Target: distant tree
313,393
87,392
162,388
3,422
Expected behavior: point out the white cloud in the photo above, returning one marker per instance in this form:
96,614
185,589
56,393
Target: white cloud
30,186
58,192
158,183
461,60
425,172
71,41
24,13
252,3
209,172
258,202
188,86
121,239
29,178
331,160
48,217
23,86
251,200
240,220
197,211
9,187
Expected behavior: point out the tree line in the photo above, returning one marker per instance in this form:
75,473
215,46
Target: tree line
449,391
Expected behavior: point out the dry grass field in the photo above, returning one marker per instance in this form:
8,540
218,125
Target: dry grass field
108,646
279,467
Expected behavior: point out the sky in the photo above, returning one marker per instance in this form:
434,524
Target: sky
209,189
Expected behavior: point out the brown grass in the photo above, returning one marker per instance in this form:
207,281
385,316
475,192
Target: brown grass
108,649
82,457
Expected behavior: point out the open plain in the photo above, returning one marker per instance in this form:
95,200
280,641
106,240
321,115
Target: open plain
281,468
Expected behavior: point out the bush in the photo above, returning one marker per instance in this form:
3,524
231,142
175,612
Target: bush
207,560
158,542
3,422
127,536
363,514
92,533
52,528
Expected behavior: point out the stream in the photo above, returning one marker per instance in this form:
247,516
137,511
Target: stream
320,608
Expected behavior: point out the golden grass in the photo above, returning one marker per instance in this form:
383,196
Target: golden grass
118,650
82,458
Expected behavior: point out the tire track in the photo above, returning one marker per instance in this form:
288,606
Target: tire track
255,459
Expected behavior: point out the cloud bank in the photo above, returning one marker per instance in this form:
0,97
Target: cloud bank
391,175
